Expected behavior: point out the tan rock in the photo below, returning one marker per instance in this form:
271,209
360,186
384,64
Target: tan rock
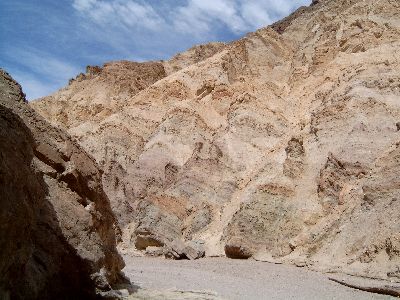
178,249
283,142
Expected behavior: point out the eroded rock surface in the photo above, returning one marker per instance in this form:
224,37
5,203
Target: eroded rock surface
281,144
57,230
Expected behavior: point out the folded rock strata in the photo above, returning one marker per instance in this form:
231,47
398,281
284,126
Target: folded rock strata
284,142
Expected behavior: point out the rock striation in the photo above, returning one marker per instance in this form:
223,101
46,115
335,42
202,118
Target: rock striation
282,145
58,233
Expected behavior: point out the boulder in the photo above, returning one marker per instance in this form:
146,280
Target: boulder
179,249
194,249
236,251
145,239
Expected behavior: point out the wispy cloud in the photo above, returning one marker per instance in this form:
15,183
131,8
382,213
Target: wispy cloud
119,12
199,16
57,39
196,17
157,29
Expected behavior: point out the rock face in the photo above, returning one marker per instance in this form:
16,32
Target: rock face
282,144
57,229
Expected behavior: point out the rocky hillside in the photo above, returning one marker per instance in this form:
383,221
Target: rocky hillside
58,233
283,145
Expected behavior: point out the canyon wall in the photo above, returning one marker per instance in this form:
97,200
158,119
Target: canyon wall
58,232
281,146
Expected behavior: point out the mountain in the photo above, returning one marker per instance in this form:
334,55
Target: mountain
282,146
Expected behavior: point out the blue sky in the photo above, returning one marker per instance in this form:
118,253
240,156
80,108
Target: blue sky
46,42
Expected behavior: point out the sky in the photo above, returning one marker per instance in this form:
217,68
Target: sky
44,43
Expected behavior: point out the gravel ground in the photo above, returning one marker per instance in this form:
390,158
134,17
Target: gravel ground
233,279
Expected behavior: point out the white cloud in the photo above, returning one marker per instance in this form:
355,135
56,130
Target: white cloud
83,5
255,14
127,13
135,14
199,16
196,17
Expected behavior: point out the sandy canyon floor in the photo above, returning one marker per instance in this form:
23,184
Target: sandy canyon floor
221,278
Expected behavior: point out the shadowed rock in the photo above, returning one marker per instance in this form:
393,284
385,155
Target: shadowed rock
57,230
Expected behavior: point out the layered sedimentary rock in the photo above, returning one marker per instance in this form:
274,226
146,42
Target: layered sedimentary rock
281,145
57,230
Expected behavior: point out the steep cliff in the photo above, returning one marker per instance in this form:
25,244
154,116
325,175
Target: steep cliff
281,145
57,230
